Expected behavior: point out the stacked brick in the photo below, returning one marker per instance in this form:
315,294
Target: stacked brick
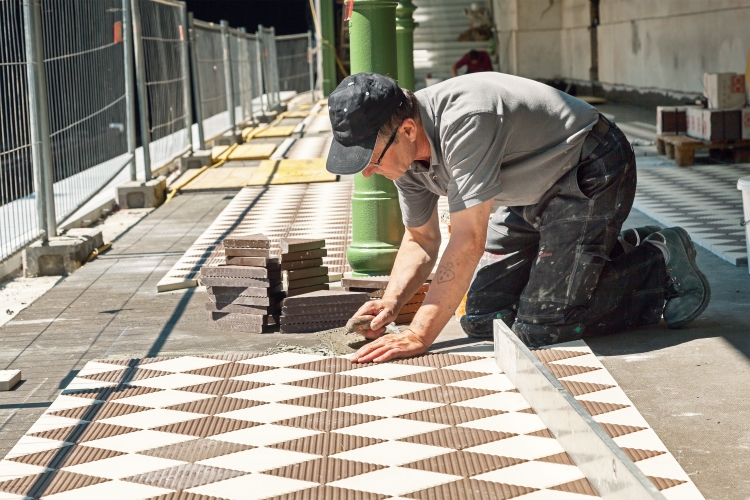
302,261
376,285
245,295
321,310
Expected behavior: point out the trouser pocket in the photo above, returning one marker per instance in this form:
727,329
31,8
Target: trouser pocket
588,266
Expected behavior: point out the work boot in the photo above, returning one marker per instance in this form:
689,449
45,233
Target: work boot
688,291
631,238
479,326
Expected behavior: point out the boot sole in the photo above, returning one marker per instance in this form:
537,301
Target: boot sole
691,253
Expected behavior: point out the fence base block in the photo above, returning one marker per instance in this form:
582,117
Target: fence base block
59,257
199,159
265,116
228,139
138,194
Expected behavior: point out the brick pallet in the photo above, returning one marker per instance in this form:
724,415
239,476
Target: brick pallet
681,148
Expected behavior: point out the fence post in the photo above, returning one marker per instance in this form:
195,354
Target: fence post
310,60
140,76
228,73
274,57
262,68
196,83
185,56
129,85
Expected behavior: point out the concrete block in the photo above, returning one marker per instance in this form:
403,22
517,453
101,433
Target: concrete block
198,159
305,255
265,116
239,282
247,241
307,282
247,252
307,273
244,291
327,298
93,234
138,194
228,139
270,264
291,245
9,379
252,319
60,256
301,264
238,272
242,309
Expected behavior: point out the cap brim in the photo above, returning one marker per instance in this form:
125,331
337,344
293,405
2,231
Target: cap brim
350,160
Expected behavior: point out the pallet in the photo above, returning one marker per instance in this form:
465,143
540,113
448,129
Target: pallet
681,148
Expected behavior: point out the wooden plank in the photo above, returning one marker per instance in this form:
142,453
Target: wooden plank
291,172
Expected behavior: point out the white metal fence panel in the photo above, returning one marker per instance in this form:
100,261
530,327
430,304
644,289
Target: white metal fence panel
209,61
293,61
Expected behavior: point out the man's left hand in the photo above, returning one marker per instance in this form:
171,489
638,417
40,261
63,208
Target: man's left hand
393,346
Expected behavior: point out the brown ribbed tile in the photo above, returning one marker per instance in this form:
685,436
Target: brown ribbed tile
81,433
437,360
229,370
206,426
196,450
549,355
581,388
451,415
596,408
233,356
49,483
332,382
99,411
446,394
111,393
457,438
441,377
664,483
330,365
328,493
156,359
212,406
223,387
471,489
544,433
121,362
324,470
127,375
561,458
463,463
184,495
637,455
527,410
326,443
182,477
617,430
330,400
560,371
328,421
580,486
67,456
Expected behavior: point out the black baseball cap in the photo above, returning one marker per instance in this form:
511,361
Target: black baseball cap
359,106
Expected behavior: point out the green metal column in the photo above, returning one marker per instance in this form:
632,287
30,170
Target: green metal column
405,39
329,56
376,216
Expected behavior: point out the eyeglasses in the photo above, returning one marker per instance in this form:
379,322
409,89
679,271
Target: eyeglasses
388,145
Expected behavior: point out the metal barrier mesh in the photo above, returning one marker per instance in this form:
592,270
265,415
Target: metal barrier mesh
84,62
270,68
242,90
293,66
18,220
165,80
209,55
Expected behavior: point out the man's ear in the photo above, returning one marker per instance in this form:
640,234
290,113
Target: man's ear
409,128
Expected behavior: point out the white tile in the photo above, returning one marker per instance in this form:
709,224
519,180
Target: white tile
183,364
517,423
252,487
595,377
29,444
614,396
387,371
150,419
663,466
283,359
123,466
574,345
533,474
391,428
138,441
94,368
275,393
280,376
78,384
258,459
685,491
395,481
64,402
387,388
12,470
492,382
268,413
586,361
642,440
49,422
163,399
487,365
10,496
524,447
502,401
174,381
392,453
111,490
389,407
623,416
264,435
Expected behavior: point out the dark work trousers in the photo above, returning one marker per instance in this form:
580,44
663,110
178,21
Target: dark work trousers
559,263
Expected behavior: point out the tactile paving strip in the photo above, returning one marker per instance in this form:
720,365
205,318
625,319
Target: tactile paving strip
302,210
702,199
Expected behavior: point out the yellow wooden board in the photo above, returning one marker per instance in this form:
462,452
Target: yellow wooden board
246,131
221,178
252,151
186,176
284,131
216,151
291,172
296,114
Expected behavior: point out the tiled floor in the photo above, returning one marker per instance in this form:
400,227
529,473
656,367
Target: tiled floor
294,426
702,199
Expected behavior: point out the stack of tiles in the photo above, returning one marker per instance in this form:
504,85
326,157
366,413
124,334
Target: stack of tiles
302,259
321,310
244,295
376,285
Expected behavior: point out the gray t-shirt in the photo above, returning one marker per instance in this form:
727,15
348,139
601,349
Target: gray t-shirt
492,135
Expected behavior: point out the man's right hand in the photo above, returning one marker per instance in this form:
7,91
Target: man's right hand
385,312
